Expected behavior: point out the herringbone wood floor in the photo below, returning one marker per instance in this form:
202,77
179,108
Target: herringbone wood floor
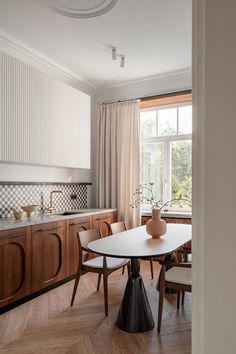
83,329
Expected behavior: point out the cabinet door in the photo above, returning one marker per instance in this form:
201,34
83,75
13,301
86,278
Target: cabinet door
48,254
14,264
102,221
177,221
168,220
74,226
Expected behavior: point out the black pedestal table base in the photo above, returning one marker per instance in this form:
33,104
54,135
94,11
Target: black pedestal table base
135,315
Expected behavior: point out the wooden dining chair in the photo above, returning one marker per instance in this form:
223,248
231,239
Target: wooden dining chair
102,265
177,277
184,254
120,226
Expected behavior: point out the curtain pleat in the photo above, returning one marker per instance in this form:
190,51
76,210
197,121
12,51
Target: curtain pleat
118,159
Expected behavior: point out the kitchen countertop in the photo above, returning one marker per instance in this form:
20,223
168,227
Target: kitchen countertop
11,223
170,214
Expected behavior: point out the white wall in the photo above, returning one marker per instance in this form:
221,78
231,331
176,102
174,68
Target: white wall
11,172
214,244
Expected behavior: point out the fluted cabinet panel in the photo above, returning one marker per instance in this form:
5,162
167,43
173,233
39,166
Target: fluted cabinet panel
43,121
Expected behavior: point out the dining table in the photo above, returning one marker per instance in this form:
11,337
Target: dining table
135,315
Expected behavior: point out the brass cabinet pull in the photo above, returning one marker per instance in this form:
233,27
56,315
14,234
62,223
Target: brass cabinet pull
17,235
13,235
107,217
49,228
78,223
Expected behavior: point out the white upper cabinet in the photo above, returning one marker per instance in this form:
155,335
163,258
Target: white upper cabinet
42,121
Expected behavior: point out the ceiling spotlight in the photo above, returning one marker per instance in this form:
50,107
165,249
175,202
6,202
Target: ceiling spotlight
122,61
114,54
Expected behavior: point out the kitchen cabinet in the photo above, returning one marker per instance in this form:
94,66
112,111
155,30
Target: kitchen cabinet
74,227
102,221
15,255
36,258
172,220
49,246
50,122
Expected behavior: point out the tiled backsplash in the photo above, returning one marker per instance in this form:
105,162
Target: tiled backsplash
13,195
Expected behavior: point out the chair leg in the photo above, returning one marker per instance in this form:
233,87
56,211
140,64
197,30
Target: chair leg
99,281
183,293
75,289
105,286
123,270
151,267
161,298
178,299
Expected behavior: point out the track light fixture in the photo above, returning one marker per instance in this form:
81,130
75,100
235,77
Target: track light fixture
122,61
114,55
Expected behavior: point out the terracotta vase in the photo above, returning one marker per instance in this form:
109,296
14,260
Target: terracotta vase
156,227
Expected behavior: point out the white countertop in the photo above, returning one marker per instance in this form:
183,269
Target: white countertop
43,218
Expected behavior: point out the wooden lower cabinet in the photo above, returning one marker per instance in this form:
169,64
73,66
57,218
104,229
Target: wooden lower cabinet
49,246
15,256
34,258
168,220
74,226
102,221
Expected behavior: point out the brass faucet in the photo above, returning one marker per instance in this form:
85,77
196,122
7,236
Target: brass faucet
51,208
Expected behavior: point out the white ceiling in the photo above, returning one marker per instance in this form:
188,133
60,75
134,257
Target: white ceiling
154,35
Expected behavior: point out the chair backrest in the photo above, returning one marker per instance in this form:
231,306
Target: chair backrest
84,237
117,227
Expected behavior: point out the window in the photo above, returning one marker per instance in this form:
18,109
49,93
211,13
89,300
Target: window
166,150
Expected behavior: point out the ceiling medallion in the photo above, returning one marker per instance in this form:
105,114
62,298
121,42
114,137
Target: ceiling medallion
80,8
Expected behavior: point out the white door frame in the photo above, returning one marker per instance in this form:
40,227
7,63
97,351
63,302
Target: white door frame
198,90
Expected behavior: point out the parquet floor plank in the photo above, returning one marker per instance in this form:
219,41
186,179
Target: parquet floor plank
83,329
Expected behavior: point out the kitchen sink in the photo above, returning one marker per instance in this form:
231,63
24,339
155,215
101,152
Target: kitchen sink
71,212
67,212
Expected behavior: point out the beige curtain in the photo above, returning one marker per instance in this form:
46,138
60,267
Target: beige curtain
118,159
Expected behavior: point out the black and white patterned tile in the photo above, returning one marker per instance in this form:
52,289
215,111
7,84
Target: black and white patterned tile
74,196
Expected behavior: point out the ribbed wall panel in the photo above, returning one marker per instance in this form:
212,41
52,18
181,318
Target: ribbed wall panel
43,121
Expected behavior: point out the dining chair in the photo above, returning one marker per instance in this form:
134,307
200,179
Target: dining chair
184,254
120,226
101,265
178,277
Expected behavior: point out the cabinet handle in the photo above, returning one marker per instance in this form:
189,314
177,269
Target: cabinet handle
107,217
17,235
49,228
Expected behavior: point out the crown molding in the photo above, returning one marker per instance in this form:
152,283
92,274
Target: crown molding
28,51
24,49
170,74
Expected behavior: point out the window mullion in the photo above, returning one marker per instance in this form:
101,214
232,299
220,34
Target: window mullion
156,123
166,172
177,120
